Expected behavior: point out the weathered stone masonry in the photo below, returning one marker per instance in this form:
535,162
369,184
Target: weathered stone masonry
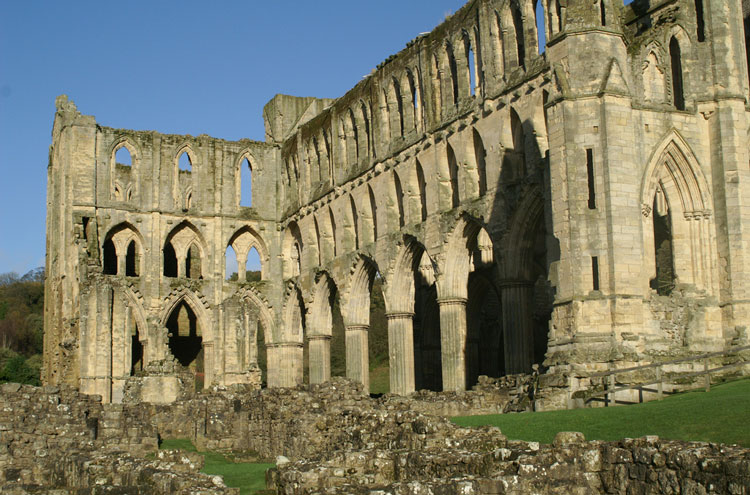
520,208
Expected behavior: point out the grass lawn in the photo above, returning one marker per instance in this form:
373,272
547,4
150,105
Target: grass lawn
380,379
249,477
720,415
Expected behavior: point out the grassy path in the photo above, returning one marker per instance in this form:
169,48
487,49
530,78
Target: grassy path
721,415
249,477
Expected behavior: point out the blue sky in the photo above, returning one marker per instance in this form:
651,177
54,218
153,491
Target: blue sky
186,67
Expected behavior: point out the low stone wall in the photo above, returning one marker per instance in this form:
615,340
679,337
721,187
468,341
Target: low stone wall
571,465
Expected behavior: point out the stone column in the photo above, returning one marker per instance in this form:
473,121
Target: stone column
241,263
357,354
518,331
453,343
320,358
285,364
401,352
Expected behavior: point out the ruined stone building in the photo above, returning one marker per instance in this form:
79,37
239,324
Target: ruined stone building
580,208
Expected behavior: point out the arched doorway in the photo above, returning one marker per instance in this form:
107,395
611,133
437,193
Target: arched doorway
186,340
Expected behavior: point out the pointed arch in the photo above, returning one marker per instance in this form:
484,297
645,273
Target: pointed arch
127,172
355,221
422,188
399,196
292,249
480,155
453,69
453,171
678,90
242,242
244,179
117,255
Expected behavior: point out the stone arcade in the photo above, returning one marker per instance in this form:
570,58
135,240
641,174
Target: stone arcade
582,208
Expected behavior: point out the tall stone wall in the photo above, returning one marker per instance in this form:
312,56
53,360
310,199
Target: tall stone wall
519,208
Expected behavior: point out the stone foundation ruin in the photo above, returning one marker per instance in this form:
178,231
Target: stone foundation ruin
581,209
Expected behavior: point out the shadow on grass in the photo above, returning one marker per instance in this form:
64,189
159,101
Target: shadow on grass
249,477
718,416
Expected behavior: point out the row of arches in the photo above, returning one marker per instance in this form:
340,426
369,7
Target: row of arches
447,322
183,253
125,159
662,71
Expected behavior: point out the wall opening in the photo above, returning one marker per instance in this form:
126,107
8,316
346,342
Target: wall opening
595,271
472,69
399,106
518,29
253,268
414,98
193,262
422,185
454,71
246,183
109,261
664,281
338,335
481,157
514,159
484,338
355,221
170,260
333,230
541,34
122,157
603,13
700,20
591,178
366,121
677,82
185,340
374,212
453,171
184,162
230,264
378,340
136,352
428,359
132,261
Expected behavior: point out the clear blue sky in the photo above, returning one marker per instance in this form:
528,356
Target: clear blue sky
187,67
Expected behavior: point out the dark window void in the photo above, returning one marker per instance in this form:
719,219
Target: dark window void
481,157
595,271
422,191
518,28
558,11
399,106
85,222
454,72
514,160
664,282
747,44
677,86
193,262
170,261
185,341
355,221
110,258
428,368
374,210
700,20
472,69
453,171
136,361
603,12
132,261
399,200
590,172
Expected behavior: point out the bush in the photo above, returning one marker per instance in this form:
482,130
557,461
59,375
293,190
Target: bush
18,371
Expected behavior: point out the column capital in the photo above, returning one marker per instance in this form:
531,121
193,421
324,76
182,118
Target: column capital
358,327
399,315
452,301
281,345
318,337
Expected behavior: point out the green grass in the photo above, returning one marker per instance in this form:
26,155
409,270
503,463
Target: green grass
720,416
249,477
380,379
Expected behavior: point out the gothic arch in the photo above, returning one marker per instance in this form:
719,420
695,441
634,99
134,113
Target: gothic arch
266,316
356,310
292,249
135,159
121,235
195,303
461,244
243,240
181,238
254,167
293,315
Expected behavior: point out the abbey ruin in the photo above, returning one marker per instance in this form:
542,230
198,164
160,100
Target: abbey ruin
578,209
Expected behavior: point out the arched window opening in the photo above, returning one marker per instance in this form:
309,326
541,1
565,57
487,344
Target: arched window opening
664,281
700,20
355,134
186,340
122,157
437,87
317,240
518,29
184,162
399,105
170,260
472,68
193,262
603,12
253,269
545,100
132,260
366,120
481,157
386,119
230,264
453,171
399,198
296,259
136,351
422,191
558,11
499,45
426,324
109,263
454,71
355,221
541,34
246,183
514,160
414,98
374,210
677,82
